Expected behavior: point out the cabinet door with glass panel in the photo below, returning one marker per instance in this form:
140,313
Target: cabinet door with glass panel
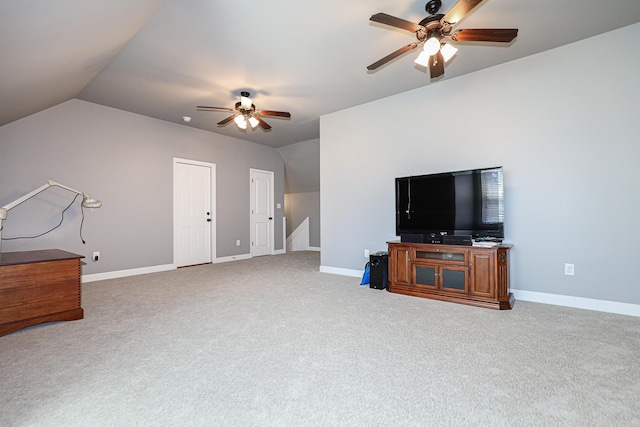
441,270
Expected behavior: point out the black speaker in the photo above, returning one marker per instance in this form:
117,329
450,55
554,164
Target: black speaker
379,270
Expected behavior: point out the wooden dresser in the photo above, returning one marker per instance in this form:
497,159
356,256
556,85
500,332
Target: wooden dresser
37,287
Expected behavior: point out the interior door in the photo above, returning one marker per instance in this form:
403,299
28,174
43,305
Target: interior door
261,212
194,216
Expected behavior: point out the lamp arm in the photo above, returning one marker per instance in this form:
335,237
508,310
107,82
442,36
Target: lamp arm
50,183
26,197
86,202
8,207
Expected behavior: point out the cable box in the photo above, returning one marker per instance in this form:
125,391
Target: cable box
457,240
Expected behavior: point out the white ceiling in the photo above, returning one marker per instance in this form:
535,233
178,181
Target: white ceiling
162,58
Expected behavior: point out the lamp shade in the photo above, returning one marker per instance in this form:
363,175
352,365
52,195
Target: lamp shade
448,51
90,203
241,122
431,46
423,59
245,102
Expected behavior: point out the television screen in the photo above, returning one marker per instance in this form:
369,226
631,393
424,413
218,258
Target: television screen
461,203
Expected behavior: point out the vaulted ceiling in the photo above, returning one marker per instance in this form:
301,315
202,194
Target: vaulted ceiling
162,58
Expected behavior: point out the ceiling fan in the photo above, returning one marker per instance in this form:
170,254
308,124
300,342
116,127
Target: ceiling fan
436,30
246,113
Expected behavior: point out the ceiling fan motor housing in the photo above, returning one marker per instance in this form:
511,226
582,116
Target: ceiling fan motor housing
433,6
239,107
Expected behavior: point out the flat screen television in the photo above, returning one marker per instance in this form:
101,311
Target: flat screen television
466,203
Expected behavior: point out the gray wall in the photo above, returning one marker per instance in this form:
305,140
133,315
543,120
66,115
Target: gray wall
302,186
299,206
562,123
126,160
301,166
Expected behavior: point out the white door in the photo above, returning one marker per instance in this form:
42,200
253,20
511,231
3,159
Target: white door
261,212
194,216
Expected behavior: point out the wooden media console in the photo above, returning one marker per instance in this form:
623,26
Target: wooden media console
464,274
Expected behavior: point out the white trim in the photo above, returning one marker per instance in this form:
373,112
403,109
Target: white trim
284,237
314,248
299,238
539,297
280,252
232,258
341,271
578,302
126,273
153,269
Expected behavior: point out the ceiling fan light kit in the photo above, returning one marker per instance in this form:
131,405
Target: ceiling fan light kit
435,30
240,122
245,112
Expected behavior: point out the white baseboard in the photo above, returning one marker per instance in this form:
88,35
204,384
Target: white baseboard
279,251
341,271
232,258
540,297
544,298
125,273
313,248
157,268
578,302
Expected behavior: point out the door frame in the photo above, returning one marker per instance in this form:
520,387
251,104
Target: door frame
212,202
271,207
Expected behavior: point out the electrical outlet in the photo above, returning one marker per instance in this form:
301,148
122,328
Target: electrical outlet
366,253
569,269
237,242
96,256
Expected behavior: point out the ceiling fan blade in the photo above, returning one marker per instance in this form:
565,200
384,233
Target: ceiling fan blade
383,18
392,56
205,108
227,120
436,65
460,10
264,125
504,35
274,113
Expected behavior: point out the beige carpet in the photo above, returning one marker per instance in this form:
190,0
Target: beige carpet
272,342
